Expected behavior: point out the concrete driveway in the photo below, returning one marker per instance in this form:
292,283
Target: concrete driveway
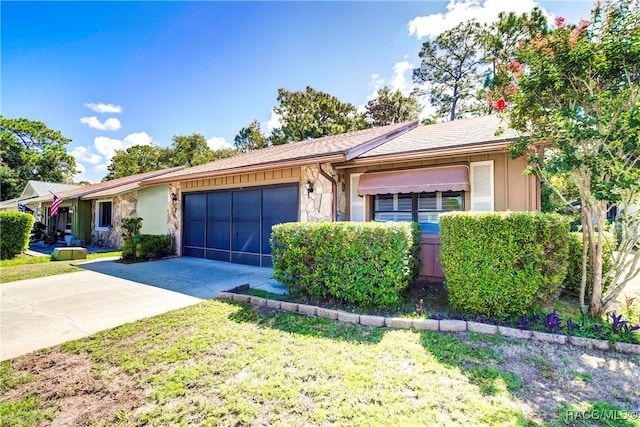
39,313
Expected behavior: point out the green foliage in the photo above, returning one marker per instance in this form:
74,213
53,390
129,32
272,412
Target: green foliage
30,150
450,65
130,227
15,229
502,264
574,268
392,107
145,247
251,138
312,114
367,264
186,150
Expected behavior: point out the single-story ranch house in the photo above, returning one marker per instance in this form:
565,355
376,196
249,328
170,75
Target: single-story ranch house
92,213
224,210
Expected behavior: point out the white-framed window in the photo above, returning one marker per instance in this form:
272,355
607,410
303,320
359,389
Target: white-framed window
356,207
104,213
482,194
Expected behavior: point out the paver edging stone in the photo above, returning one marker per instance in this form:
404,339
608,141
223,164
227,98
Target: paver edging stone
453,326
426,324
273,303
444,325
398,322
327,313
482,328
367,320
551,338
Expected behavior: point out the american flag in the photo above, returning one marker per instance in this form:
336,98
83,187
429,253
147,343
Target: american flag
57,201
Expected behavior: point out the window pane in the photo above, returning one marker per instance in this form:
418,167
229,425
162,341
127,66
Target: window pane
428,217
404,203
427,201
384,202
452,201
104,214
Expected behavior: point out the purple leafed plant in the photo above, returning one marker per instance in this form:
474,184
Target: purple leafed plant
618,324
553,322
523,323
571,325
598,328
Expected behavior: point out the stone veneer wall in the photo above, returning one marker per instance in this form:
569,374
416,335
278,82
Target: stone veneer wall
123,206
317,206
174,217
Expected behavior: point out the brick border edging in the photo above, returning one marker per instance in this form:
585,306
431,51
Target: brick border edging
430,324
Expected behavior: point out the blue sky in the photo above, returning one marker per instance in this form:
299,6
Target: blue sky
109,75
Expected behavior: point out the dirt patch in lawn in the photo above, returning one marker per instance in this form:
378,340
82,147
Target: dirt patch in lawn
69,385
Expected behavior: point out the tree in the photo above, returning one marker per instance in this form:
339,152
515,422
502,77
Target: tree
392,107
30,150
313,114
136,159
450,66
213,155
577,93
251,138
186,148
500,40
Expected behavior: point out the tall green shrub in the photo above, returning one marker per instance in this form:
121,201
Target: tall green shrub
367,264
502,264
574,269
15,229
144,247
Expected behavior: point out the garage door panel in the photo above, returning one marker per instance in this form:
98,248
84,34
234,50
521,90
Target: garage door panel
218,255
219,206
195,207
195,234
246,236
218,234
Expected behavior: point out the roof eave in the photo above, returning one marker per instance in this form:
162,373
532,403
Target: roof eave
301,161
376,142
435,152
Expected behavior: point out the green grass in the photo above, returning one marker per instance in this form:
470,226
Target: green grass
31,267
220,363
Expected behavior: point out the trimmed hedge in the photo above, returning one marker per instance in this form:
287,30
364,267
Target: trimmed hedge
503,264
15,230
366,264
144,247
574,269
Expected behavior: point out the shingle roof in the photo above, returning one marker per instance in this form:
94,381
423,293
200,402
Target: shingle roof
304,151
114,186
458,133
41,188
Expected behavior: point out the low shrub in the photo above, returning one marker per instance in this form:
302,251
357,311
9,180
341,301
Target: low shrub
145,247
366,264
574,269
502,264
15,230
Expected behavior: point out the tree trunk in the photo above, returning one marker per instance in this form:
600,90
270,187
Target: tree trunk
585,256
453,104
596,266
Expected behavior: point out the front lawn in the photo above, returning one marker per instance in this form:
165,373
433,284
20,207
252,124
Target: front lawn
32,267
219,363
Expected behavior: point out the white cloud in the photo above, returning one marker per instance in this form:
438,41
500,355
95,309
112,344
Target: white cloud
107,146
80,168
103,108
463,10
399,80
100,168
138,138
274,122
218,143
109,124
85,154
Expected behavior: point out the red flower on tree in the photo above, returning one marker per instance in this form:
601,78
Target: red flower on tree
499,105
515,66
559,21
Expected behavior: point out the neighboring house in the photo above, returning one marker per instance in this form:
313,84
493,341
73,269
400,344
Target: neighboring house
224,210
32,190
92,213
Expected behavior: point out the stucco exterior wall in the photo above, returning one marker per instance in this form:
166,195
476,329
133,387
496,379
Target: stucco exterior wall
153,205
